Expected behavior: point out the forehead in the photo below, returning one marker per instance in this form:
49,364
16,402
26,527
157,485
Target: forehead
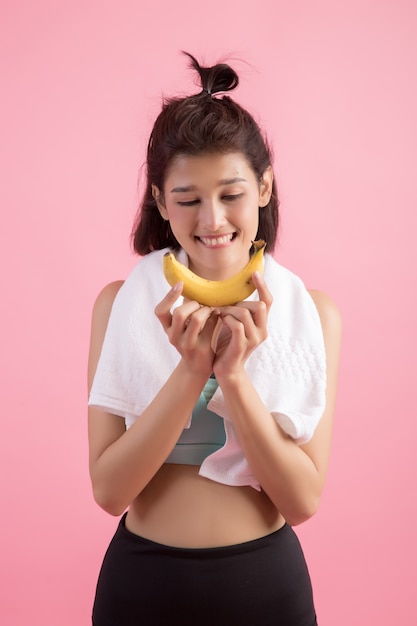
209,168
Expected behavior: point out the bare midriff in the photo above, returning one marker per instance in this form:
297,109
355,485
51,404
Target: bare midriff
180,508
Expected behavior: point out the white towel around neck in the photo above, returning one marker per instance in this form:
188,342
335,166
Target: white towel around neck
288,369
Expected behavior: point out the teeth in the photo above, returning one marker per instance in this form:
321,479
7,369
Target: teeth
215,241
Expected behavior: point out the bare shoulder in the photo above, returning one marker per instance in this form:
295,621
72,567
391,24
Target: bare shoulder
104,428
318,448
328,311
105,299
101,313
331,322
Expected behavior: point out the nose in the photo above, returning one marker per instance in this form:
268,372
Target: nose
212,215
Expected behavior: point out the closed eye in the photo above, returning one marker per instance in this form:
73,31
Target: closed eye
227,198
188,202
232,197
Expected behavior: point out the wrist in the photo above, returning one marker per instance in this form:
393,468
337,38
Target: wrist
193,375
232,379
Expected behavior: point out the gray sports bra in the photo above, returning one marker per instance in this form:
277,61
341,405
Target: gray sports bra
205,435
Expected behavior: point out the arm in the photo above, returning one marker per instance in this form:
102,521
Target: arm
293,476
123,462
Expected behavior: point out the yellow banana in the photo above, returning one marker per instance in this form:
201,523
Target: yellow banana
215,292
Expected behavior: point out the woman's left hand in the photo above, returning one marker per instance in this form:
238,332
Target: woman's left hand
240,329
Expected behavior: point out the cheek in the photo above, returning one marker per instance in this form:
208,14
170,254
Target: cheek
249,209
172,212
179,217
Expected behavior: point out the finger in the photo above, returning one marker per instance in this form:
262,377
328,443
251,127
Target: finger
196,321
242,314
252,316
163,308
258,310
234,331
207,329
263,291
216,333
183,315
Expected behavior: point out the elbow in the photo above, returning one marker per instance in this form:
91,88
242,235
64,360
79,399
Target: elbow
108,503
302,513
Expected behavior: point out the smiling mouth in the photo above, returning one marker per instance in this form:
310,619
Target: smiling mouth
217,241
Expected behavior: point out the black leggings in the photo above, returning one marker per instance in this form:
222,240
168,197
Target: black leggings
264,582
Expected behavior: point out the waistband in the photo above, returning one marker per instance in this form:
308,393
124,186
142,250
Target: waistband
274,539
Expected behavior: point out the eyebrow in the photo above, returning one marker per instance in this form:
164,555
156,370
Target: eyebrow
222,182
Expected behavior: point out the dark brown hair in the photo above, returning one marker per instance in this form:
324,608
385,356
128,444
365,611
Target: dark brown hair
194,125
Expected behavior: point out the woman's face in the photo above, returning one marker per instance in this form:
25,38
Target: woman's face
212,202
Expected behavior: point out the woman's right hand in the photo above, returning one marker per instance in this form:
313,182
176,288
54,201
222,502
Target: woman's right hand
190,329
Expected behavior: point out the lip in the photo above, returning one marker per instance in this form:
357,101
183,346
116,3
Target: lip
216,241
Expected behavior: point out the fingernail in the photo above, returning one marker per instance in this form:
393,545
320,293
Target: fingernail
178,287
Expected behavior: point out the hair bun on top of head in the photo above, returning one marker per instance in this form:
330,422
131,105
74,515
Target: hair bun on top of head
216,79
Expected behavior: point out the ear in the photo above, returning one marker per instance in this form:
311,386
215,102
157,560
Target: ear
157,195
265,186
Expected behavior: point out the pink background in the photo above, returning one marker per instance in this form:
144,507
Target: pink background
334,84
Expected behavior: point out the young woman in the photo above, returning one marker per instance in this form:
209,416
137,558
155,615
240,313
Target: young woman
211,426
